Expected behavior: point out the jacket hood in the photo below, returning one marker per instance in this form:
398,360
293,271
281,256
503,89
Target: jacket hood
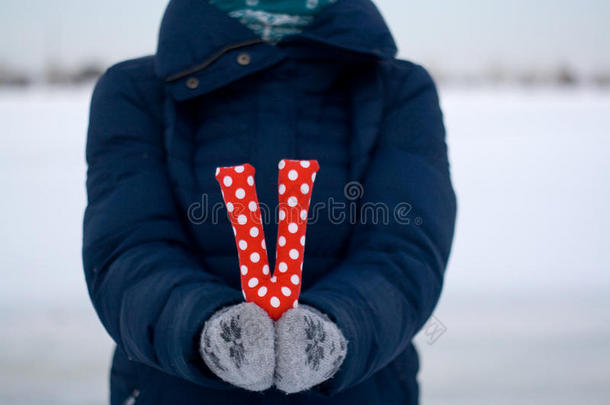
196,35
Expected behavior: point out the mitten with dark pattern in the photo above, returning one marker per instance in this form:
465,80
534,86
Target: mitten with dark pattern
310,348
237,344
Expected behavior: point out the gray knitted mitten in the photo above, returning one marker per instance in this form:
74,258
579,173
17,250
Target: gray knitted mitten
237,344
310,348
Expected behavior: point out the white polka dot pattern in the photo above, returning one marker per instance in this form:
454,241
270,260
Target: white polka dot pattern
295,185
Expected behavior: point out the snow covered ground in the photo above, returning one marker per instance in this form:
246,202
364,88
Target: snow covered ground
525,315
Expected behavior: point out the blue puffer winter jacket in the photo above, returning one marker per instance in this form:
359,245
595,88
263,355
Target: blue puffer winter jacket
159,259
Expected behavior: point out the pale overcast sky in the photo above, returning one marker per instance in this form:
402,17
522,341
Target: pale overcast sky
460,36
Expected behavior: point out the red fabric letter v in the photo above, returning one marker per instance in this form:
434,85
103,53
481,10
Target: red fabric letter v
278,292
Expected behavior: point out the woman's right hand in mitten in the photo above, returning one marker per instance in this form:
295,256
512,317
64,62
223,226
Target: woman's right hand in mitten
238,345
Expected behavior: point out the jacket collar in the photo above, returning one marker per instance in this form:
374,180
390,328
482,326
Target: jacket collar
197,37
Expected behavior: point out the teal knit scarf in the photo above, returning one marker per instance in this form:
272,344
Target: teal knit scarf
273,19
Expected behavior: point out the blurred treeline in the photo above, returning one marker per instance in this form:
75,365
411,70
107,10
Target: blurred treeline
56,75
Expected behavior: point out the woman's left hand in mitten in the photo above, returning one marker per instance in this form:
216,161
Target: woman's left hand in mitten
310,348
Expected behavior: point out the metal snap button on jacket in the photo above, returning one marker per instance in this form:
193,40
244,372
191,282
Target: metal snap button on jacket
243,59
192,83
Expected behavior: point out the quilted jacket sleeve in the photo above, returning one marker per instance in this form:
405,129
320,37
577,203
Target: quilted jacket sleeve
386,287
150,293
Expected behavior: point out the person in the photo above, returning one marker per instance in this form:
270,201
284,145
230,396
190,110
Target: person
258,81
